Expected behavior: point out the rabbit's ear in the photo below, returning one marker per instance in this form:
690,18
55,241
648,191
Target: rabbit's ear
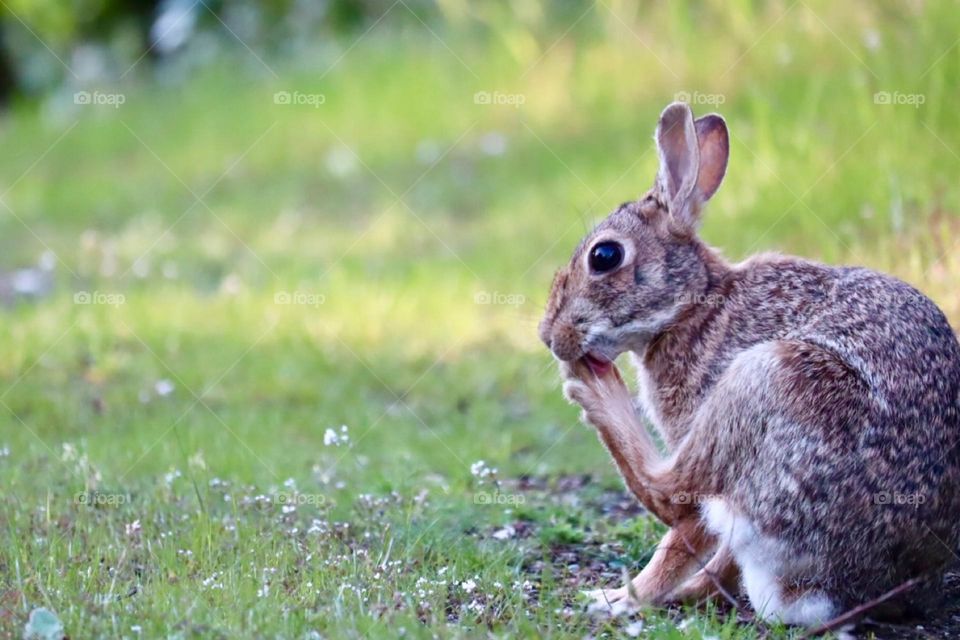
679,153
714,143
693,160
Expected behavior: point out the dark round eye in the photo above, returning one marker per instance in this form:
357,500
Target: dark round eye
606,256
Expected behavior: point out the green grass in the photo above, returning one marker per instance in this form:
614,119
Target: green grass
383,216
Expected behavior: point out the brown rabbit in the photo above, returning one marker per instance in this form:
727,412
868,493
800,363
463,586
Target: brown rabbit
809,412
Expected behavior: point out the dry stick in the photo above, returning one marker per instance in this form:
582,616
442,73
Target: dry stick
859,610
713,578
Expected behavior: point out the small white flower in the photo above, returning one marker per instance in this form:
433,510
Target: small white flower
69,452
468,585
132,528
476,606
481,471
332,438
505,534
163,387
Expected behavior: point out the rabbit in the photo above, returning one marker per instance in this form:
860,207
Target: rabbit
808,413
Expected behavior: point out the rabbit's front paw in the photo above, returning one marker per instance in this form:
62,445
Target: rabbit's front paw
600,397
577,392
613,602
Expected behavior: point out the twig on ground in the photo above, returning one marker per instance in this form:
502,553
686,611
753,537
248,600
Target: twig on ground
859,610
714,579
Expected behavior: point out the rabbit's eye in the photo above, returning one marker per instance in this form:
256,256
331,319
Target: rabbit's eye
605,256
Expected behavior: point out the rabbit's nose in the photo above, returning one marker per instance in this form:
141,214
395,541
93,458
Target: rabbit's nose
544,331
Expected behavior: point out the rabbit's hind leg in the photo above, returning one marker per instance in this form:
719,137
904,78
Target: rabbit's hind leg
766,565
683,549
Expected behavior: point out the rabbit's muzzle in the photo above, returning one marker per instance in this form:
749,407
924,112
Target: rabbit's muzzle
565,343
564,339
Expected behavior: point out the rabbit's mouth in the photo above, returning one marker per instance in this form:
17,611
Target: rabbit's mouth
599,365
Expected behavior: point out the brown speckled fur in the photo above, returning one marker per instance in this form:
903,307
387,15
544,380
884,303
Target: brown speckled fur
811,399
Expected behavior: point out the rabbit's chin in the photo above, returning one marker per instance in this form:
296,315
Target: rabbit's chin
599,365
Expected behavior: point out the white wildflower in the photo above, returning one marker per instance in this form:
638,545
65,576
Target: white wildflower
332,438
163,387
69,452
504,534
481,471
475,606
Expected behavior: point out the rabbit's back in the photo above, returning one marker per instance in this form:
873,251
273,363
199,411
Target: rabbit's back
856,462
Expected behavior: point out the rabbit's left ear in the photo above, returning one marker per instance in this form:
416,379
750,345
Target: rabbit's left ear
693,160
714,143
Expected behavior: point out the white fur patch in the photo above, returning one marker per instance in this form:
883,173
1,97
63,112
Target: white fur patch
763,561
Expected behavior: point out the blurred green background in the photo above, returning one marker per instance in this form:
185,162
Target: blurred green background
227,227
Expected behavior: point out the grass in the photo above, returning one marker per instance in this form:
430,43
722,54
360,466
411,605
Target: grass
192,213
